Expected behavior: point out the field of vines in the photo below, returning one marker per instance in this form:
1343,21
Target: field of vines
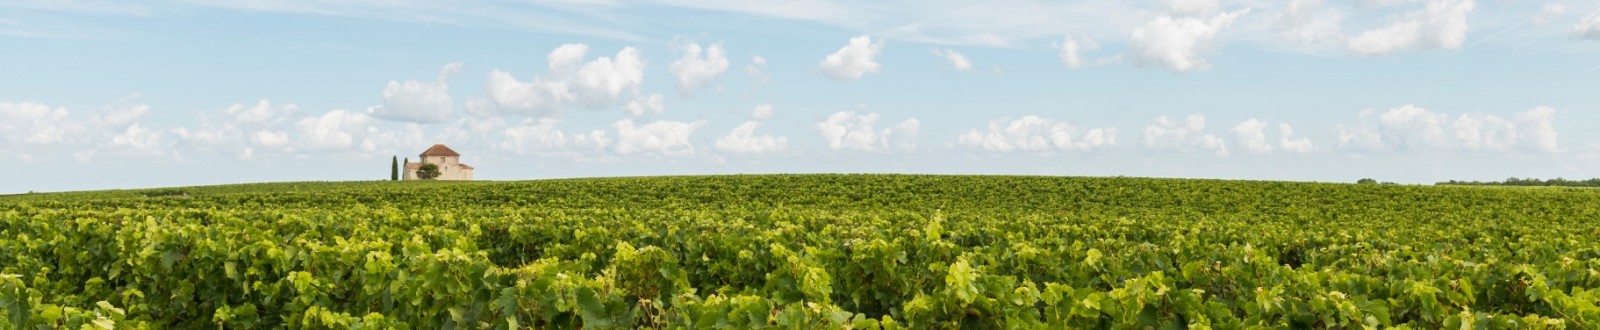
804,252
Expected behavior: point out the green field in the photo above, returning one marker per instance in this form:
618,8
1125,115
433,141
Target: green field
804,252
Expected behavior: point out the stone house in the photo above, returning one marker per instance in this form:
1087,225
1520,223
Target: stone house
448,161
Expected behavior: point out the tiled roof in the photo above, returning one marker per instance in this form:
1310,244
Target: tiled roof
440,150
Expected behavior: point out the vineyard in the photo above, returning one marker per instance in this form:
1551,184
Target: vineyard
804,252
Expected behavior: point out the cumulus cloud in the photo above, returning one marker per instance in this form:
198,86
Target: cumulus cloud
762,111
1252,136
854,60
599,83
136,139
544,137
847,130
415,101
1588,28
34,123
1071,49
1414,129
1188,135
662,137
334,130
31,128
1536,129
757,69
1035,134
241,128
653,105
1178,42
957,60
743,140
1308,23
1290,144
247,130
698,67
1191,7
1441,24
903,136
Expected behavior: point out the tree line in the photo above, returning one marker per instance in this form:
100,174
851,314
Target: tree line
1530,182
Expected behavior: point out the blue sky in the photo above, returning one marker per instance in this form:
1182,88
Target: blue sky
114,94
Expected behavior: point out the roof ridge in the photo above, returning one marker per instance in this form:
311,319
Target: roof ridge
439,150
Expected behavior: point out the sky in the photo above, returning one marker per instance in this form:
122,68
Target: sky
132,94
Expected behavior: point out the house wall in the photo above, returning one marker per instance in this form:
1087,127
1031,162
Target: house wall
444,160
449,169
454,172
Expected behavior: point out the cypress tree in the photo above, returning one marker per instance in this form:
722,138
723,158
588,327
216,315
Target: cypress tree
394,168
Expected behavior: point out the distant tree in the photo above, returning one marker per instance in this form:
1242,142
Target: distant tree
407,163
1367,181
394,168
1514,181
428,171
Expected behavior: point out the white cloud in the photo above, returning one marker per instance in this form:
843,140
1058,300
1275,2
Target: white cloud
34,124
1070,51
1287,143
1381,3
406,139
479,106
1178,42
30,128
757,69
1252,136
136,140
1550,12
122,116
1035,134
957,60
1170,135
662,137
1536,129
1441,24
903,136
536,97
415,101
1191,7
270,139
262,113
742,140
544,137
335,130
854,60
694,70
1413,129
1308,23
600,83
241,128
653,105
762,111
847,130
1589,27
